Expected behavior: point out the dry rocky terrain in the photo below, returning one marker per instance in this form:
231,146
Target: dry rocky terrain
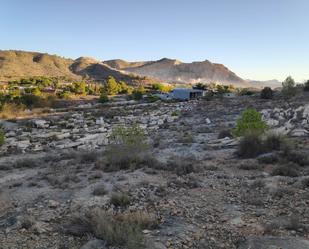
191,191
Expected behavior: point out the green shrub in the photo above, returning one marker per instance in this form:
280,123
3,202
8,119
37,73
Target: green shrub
250,121
267,93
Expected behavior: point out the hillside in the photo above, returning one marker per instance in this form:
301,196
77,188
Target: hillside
178,72
18,64
122,64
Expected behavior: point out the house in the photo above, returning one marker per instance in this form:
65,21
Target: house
186,93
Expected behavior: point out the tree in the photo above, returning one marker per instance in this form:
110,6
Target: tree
267,93
103,98
250,122
200,86
288,88
36,91
111,86
138,93
79,87
124,88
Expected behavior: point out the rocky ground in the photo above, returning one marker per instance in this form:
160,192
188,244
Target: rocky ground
200,192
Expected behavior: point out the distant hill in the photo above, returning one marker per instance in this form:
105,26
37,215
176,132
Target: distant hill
271,83
18,64
176,71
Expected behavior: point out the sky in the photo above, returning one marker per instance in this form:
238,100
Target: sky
257,39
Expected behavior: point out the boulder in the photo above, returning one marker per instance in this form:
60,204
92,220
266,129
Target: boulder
299,133
40,123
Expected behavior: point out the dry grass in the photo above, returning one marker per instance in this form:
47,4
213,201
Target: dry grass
120,230
26,163
253,145
5,202
11,111
289,169
120,200
100,190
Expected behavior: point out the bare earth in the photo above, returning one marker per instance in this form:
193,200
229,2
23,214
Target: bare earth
222,201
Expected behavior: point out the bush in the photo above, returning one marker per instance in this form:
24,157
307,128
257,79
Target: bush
250,121
306,86
251,145
112,87
288,88
25,163
122,230
138,93
162,87
133,136
120,200
11,110
267,93
100,190
128,149
285,170
246,92
103,98
273,142
65,95
30,100
300,158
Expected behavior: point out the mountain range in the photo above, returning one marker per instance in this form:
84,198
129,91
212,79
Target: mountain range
17,64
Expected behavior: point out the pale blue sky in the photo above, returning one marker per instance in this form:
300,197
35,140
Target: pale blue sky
257,39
